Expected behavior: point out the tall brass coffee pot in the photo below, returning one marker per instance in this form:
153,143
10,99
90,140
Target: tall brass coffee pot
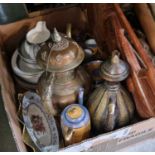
110,105
63,77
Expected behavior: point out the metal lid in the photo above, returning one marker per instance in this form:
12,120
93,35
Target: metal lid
114,69
38,34
75,116
61,54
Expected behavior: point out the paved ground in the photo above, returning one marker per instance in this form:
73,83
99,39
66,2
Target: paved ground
7,142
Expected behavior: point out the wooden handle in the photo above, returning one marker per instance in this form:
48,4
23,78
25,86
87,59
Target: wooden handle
141,88
139,48
147,22
140,81
128,52
122,42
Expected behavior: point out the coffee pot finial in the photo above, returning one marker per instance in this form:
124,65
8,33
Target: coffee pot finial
56,37
115,57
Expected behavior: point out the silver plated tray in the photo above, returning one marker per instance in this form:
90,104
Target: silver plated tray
41,127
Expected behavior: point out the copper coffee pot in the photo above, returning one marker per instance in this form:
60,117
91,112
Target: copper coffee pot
62,78
110,105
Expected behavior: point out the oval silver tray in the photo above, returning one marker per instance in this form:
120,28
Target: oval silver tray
41,127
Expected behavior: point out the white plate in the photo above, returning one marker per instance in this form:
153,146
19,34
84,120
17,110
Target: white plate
41,127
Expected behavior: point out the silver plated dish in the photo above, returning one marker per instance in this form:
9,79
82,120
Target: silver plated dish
28,51
29,67
93,68
24,85
31,77
40,126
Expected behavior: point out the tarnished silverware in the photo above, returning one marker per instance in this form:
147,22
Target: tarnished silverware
93,68
110,105
61,57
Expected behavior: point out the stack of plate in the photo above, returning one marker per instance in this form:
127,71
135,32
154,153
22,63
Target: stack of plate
24,70
24,64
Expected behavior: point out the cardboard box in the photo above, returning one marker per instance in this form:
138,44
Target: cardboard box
129,138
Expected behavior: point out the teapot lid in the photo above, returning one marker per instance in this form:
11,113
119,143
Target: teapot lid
61,54
114,69
75,116
38,34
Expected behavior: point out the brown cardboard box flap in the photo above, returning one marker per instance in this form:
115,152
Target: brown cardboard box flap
118,139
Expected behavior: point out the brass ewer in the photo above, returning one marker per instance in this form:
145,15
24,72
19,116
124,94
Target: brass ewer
63,77
110,105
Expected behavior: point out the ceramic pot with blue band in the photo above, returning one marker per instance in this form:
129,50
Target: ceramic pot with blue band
75,122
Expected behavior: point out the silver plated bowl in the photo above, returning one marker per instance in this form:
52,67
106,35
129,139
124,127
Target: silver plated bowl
27,75
28,51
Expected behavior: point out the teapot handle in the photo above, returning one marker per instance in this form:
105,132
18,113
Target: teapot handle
68,134
81,95
69,30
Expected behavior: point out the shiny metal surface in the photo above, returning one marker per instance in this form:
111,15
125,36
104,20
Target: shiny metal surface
38,34
61,54
110,105
114,69
93,68
28,51
65,87
60,57
24,73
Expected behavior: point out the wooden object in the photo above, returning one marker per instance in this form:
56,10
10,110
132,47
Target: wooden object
97,16
141,82
147,22
141,85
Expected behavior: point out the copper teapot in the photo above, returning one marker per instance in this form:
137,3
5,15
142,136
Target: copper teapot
110,105
62,78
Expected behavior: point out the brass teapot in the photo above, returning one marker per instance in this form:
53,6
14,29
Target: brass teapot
110,105
62,78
